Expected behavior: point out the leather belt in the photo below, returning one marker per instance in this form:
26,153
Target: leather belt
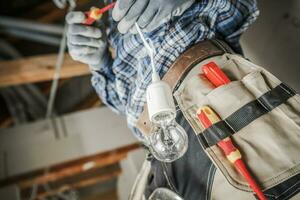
181,67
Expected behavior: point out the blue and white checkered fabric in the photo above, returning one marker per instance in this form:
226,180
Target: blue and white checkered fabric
122,83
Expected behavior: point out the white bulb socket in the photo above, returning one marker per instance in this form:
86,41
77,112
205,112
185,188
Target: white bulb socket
160,101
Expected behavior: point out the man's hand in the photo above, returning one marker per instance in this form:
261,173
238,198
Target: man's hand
85,43
149,14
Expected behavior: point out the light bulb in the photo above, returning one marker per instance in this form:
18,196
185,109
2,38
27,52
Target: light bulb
164,194
168,141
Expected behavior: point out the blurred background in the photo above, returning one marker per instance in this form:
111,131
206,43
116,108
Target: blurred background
85,151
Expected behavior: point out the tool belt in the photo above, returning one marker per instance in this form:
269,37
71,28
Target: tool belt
259,112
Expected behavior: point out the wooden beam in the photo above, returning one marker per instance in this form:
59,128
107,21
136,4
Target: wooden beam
37,69
47,11
53,15
38,10
57,13
91,101
84,183
74,170
70,168
47,86
109,195
6,122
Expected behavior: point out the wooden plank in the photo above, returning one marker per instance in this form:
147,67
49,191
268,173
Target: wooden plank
47,11
53,15
70,168
57,13
77,167
72,171
110,195
91,101
84,183
37,69
47,86
6,122
38,10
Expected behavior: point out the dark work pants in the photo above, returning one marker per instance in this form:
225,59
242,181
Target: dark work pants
190,176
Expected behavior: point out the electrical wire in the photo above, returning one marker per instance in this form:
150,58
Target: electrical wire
151,51
33,192
58,65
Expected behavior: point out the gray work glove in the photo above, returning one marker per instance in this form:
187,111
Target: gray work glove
86,43
149,14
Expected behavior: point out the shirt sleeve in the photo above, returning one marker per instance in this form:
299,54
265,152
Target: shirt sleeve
104,82
234,17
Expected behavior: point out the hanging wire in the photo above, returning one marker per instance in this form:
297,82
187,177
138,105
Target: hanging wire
34,191
59,61
148,45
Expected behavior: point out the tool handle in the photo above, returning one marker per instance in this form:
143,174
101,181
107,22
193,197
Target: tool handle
227,146
208,117
107,8
215,75
96,13
88,20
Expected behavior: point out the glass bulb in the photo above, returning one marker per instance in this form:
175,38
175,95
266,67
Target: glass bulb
168,141
164,194
164,118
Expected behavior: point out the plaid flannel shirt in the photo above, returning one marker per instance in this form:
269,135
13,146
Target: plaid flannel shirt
122,82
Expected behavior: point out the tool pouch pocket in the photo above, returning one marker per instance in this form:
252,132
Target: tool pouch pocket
259,112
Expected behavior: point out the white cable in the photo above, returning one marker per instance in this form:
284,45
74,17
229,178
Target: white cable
34,191
58,65
60,59
150,48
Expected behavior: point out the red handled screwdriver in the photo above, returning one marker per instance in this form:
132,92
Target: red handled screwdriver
96,13
208,117
214,74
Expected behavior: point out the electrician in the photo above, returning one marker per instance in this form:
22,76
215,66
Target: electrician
173,27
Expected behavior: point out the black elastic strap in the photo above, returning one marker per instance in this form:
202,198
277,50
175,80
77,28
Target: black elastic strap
245,115
215,133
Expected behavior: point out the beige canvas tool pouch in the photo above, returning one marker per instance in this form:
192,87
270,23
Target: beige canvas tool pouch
259,112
